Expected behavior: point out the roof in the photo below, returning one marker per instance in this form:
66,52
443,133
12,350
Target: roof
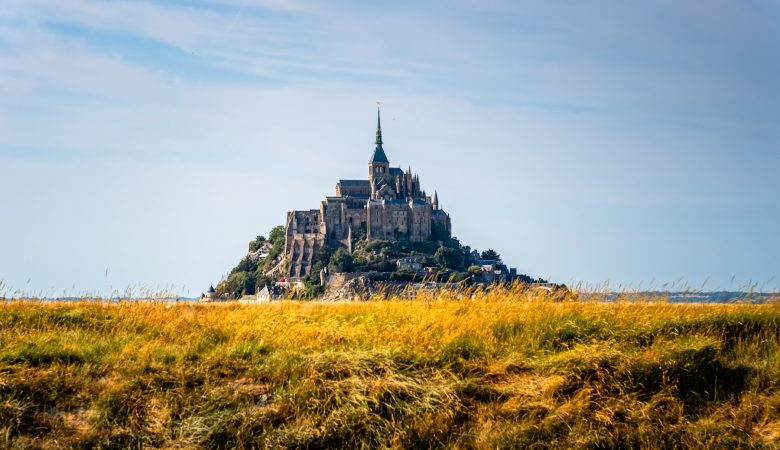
379,155
396,171
409,259
270,290
353,182
486,262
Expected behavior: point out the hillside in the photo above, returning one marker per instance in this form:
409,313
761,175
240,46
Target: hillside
503,369
445,260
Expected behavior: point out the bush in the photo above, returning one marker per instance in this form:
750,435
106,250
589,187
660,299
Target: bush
449,257
376,245
236,285
406,275
387,266
256,244
491,255
341,261
426,248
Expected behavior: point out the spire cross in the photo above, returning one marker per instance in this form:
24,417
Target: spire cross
378,126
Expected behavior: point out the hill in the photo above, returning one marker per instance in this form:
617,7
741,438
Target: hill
445,260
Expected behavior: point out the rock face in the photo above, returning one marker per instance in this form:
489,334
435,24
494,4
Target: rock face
347,286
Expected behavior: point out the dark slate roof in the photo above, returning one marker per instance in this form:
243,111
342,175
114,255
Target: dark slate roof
396,171
379,155
353,182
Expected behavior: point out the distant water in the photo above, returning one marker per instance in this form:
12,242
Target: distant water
702,297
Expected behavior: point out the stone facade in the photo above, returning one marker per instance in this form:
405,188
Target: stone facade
390,205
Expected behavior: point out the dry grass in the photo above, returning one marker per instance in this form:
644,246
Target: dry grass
497,370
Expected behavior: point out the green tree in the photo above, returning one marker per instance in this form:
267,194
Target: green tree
360,233
276,235
321,259
453,243
376,245
245,265
341,261
491,255
237,284
466,250
276,238
261,281
387,266
449,257
256,244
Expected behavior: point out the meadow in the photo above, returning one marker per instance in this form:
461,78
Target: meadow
497,369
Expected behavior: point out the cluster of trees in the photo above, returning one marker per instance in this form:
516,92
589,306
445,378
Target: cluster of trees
449,254
376,257
248,275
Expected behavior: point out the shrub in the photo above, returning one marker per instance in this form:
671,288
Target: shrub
341,261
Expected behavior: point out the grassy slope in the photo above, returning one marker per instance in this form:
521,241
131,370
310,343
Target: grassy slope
497,371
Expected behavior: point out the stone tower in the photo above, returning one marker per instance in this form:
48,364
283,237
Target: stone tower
378,166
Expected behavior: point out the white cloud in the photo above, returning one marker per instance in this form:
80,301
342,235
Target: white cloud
513,126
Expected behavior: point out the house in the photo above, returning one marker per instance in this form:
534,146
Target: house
494,271
247,299
269,293
409,264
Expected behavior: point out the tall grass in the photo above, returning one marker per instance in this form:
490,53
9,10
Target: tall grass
498,369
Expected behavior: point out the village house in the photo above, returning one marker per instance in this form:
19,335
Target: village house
409,263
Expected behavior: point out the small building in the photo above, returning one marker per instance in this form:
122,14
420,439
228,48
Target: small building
431,270
409,263
248,299
269,293
209,296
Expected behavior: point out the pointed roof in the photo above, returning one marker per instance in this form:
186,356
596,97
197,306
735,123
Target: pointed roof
379,153
378,128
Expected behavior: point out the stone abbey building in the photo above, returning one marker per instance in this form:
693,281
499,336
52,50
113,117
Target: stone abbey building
389,205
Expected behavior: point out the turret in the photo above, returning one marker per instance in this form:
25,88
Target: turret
435,200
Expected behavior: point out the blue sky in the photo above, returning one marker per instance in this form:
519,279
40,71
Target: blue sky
143,144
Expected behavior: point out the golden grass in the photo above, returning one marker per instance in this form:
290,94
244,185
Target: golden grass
499,369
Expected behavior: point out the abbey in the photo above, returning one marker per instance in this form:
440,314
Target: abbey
389,205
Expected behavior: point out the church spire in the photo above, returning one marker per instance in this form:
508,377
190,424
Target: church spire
435,200
378,127
379,153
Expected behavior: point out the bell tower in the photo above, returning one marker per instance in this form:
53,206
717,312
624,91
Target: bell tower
378,166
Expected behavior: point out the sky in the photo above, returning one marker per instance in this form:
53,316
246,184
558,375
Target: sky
633,145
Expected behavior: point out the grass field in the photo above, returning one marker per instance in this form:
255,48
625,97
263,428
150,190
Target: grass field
497,370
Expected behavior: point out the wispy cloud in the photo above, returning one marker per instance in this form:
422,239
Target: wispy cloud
559,116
